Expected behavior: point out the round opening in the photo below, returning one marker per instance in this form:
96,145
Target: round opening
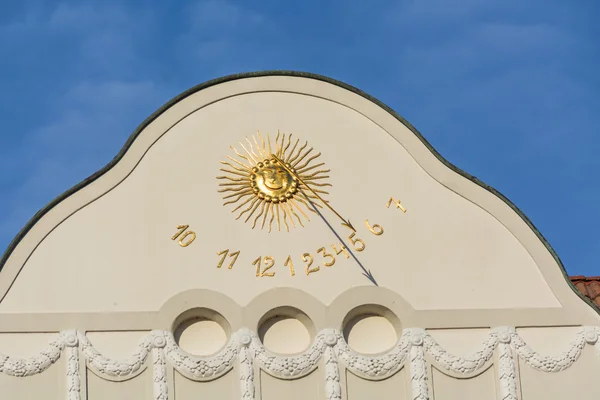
371,329
286,330
201,332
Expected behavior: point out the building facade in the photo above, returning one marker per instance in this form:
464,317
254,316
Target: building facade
282,234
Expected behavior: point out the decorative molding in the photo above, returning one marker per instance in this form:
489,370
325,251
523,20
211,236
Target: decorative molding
159,374
201,368
246,366
556,363
374,367
288,367
596,344
73,376
418,368
21,367
507,373
329,345
116,370
333,389
461,365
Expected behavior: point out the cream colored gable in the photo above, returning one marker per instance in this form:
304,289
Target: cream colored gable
457,297
107,247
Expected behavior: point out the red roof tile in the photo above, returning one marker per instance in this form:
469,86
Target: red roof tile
589,286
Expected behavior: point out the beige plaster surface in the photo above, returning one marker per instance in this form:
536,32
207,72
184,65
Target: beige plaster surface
309,387
462,251
395,387
448,388
139,388
580,381
225,388
50,385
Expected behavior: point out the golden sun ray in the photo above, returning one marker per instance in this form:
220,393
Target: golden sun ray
272,216
301,158
308,161
284,212
269,143
293,148
261,189
262,210
305,170
291,160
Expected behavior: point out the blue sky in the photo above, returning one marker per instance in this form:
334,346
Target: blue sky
508,91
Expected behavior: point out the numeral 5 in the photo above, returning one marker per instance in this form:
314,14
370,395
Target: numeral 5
358,244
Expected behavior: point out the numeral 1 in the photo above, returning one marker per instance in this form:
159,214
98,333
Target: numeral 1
288,263
224,253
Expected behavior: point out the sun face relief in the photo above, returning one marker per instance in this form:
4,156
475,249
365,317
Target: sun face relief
271,182
278,185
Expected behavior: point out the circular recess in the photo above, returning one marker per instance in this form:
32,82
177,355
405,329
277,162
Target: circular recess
201,331
371,329
286,330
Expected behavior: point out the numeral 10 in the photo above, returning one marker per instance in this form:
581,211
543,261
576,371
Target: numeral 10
184,234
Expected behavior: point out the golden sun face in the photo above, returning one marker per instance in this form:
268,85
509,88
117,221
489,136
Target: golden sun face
261,187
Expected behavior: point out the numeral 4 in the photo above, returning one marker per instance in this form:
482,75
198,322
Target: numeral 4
342,250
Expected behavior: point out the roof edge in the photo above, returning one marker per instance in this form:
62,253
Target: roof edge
38,215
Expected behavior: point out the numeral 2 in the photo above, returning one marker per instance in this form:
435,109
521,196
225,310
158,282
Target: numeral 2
307,257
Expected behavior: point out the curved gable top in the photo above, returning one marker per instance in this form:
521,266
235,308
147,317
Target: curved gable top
462,249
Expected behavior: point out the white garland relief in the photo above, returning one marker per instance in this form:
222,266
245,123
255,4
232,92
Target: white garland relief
418,368
507,373
201,368
557,363
246,366
461,365
116,369
329,347
374,367
333,389
159,375
287,367
159,369
34,365
73,376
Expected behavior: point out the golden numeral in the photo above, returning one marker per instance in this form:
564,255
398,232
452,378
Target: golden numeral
355,241
342,250
375,229
288,262
182,230
397,202
326,255
224,253
307,257
269,262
